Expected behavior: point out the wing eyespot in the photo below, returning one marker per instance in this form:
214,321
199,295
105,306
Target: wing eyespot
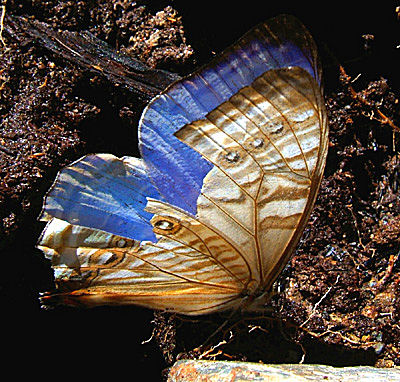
165,225
275,128
258,143
121,243
232,156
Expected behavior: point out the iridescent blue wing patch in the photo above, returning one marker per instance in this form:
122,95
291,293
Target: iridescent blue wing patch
106,193
178,171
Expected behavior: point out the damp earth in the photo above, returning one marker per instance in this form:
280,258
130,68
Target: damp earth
337,301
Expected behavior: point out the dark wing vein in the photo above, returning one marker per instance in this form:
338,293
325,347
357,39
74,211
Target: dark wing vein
209,255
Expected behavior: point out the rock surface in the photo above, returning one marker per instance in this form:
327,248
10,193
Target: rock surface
190,370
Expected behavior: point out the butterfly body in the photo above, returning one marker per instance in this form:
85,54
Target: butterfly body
232,160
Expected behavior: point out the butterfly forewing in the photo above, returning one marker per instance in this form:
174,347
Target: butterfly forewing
233,157
268,161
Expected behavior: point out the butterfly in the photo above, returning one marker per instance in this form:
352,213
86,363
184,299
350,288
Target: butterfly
232,157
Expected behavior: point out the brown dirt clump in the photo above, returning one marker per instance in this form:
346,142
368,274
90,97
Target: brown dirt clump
338,300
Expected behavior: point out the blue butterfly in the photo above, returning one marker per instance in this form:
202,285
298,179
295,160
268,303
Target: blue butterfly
232,159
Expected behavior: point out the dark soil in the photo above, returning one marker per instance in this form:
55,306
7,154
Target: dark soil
338,300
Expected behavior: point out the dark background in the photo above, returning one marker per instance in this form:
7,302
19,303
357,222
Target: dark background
336,26
84,343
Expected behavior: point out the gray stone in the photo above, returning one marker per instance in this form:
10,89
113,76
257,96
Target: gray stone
221,371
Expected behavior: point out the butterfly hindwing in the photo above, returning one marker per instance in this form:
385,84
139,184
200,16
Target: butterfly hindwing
190,269
103,192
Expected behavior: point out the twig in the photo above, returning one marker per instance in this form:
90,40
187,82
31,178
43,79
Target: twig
7,151
319,302
382,117
389,270
343,337
3,13
208,352
303,356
